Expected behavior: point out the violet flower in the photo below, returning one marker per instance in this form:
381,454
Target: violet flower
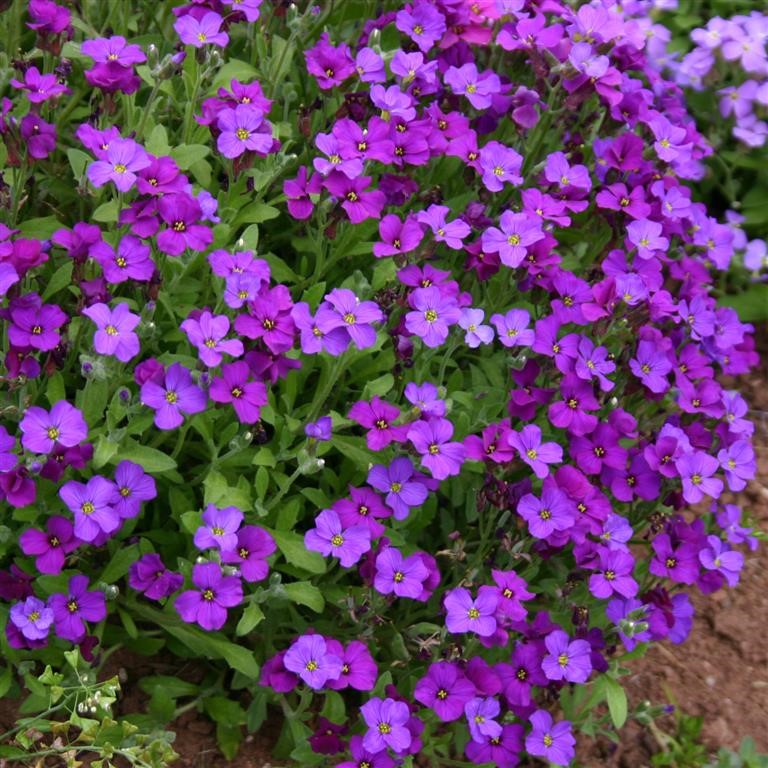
177,395
114,330
330,537
214,592
41,430
308,657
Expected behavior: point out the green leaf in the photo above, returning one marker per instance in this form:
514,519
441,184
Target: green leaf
294,551
255,213
751,305
228,738
200,642
60,279
175,688
262,482
106,212
617,701
150,459
251,618
5,681
13,753
157,141
304,593
120,562
78,160
92,400
186,155
55,390
41,228
333,707
381,386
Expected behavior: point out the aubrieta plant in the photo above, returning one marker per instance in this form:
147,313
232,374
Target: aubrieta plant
369,355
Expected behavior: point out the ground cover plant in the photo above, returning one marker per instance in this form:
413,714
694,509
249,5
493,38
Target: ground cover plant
369,356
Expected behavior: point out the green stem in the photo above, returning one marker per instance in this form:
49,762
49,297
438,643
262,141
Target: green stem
146,109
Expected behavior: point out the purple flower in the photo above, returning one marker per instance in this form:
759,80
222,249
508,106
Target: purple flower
91,504
358,669
149,576
678,562
404,577
243,129
512,590
132,486
34,324
478,88
425,398
319,430
717,556
549,740
476,333
463,614
364,757
513,329
397,481
308,657
536,454
72,609
386,720
207,605
552,512
131,262
114,331
354,316
181,214
39,87
177,395
340,157
480,713
614,575
696,472
377,417
431,439
651,365
645,235
424,24
729,519
50,547
567,659
358,203
200,32
207,332
451,233
433,314
219,529
330,537
557,170
518,232
254,546
233,386
33,618
113,49
42,430
370,66
500,165
502,751
331,65
39,136
121,163
738,462
445,690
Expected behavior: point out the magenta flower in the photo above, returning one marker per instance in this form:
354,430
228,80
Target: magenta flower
114,331
39,136
39,87
536,454
308,657
424,24
331,538
34,324
181,214
552,512
172,398
512,590
50,547
397,237
72,609
518,232
254,546
358,668
243,129
331,65
463,614
404,577
200,32
219,529
445,690
131,262
91,504
386,720
433,313
33,618
42,430
207,332
149,576
233,386
431,439
551,741
123,160
398,481
113,49
132,487
207,604
378,417
358,203
567,659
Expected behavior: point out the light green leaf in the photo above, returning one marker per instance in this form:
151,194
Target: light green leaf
120,562
294,551
186,155
106,212
251,618
304,593
616,697
61,278
150,458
